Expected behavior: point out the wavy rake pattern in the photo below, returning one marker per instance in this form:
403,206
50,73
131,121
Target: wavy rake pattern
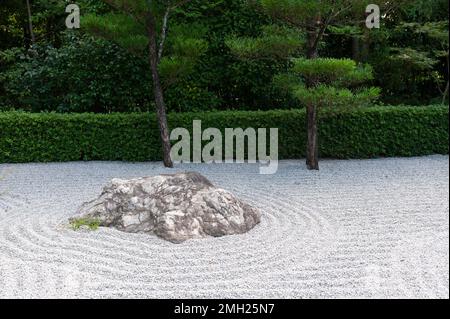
369,229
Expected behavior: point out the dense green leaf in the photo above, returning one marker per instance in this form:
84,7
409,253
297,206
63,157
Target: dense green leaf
362,133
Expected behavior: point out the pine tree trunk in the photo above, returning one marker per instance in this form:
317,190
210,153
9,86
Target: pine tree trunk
445,94
158,92
30,23
312,149
312,157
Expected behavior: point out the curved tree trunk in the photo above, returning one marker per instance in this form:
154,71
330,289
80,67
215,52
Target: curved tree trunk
312,149
158,92
445,94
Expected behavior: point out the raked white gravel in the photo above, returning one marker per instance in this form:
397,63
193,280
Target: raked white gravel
359,228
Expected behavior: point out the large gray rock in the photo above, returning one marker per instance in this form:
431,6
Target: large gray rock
174,207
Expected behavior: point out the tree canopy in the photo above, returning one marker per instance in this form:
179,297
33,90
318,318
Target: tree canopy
408,54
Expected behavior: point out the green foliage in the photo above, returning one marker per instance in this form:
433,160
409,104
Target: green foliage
84,75
297,11
119,28
185,47
127,27
92,224
304,13
409,53
412,58
12,16
232,83
275,42
190,96
361,133
48,17
321,82
336,72
332,97
326,83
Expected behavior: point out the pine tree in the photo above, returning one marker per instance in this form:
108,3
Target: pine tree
300,26
142,27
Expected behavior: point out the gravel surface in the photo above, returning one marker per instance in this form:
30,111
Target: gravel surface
358,228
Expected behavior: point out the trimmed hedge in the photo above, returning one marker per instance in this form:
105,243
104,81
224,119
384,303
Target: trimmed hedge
364,133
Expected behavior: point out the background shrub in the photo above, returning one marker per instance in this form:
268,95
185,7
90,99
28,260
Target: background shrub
409,55
84,75
365,133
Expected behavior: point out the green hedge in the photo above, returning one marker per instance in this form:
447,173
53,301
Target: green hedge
365,133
